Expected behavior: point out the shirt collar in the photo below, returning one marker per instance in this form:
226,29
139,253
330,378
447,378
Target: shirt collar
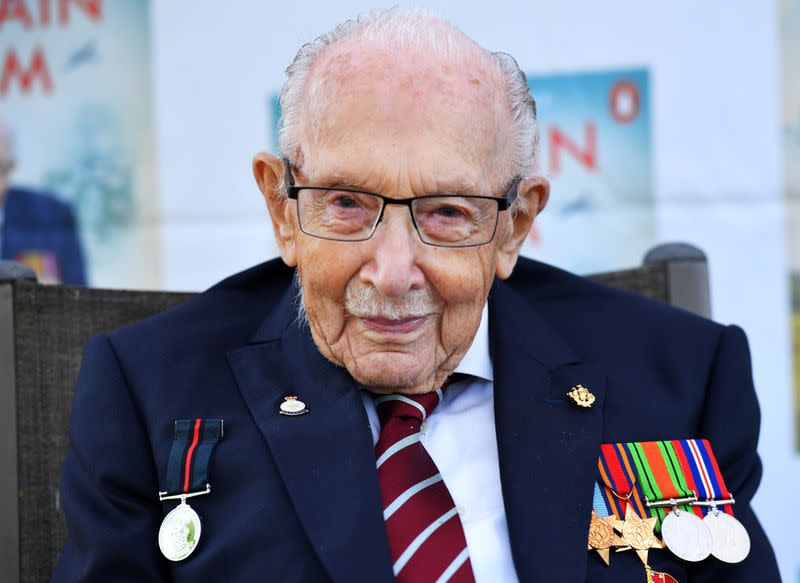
476,361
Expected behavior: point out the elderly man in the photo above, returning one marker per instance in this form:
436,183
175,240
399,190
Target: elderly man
36,228
412,423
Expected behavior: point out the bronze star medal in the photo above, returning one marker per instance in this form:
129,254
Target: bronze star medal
638,534
602,536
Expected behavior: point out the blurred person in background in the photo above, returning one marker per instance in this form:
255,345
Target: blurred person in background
36,228
400,396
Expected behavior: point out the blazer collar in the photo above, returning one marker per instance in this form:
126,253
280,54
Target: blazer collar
547,445
325,457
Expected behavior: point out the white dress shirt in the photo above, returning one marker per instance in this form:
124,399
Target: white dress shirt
460,437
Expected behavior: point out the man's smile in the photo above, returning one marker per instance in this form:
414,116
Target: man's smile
395,327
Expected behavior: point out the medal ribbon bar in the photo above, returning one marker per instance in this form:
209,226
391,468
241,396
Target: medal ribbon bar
190,458
702,473
661,477
617,483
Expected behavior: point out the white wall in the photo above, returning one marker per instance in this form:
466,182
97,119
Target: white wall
716,143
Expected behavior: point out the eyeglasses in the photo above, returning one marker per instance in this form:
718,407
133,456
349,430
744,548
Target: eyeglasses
347,214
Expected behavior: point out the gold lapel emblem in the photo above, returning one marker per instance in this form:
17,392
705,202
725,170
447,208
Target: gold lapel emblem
581,396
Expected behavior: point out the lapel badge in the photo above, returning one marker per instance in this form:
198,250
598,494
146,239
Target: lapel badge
292,406
581,396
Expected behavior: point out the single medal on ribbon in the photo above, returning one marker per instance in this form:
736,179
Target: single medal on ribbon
187,476
730,541
618,503
669,496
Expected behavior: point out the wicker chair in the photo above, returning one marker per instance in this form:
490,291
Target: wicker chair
42,333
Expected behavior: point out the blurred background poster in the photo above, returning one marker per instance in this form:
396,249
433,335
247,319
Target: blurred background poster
595,147
790,60
75,98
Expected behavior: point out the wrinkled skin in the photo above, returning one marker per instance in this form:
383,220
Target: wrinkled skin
400,126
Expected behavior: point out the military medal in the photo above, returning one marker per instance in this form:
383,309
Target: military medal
639,534
620,499
672,488
179,532
686,535
187,476
730,541
602,536
670,496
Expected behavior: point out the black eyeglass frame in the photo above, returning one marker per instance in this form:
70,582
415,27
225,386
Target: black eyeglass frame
503,204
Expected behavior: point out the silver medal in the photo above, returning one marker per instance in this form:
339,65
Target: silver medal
730,541
179,532
686,536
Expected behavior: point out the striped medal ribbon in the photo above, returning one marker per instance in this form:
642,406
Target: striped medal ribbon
730,541
618,478
187,476
619,507
424,531
669,496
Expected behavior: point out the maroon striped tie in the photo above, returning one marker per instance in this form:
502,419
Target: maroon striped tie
426,537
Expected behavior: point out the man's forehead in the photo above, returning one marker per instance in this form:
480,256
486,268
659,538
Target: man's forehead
369,174
361,93
350,65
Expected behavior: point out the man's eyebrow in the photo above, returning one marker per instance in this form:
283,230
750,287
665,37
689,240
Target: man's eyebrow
337,179
443,187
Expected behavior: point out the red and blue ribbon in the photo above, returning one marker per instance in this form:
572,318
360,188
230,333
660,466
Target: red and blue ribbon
191,455
702,473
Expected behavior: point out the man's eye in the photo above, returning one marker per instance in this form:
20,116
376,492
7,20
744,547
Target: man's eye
345,201
449,212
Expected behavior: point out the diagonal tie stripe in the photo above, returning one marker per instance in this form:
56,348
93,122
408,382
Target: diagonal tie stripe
390,451
398,502
421,538
454,567
425,534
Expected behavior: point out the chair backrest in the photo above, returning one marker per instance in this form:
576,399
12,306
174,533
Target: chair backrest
43,330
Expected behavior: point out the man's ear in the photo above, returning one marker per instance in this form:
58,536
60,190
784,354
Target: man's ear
268,171
535,193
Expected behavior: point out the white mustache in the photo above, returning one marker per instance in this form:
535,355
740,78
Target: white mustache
364,301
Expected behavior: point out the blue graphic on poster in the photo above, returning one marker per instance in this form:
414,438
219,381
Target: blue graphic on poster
595,147
75,106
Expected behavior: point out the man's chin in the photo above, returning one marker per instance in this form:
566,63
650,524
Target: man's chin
392,373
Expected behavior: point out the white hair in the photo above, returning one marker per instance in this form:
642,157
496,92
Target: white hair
417,30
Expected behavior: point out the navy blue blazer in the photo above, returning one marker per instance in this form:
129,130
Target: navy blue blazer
297,498
37,222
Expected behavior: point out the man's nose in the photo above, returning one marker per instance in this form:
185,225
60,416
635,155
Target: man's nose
393,268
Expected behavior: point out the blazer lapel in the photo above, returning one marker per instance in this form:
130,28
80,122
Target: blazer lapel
325,457
548,446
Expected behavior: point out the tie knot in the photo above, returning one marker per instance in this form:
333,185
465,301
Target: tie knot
407,406
413,406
